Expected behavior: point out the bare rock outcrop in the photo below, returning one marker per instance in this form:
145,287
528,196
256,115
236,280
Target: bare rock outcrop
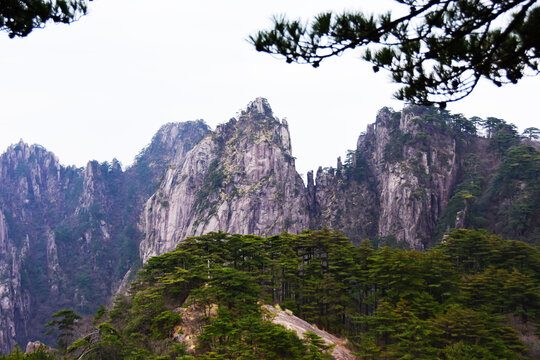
393,187
240,179
291,322
416,170
12,298
67,235
195,316
34,346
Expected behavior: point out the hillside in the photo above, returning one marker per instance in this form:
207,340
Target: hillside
474,296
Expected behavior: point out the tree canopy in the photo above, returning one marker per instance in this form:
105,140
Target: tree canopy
20,17
473,296
438,49
456,299
532,133
63,322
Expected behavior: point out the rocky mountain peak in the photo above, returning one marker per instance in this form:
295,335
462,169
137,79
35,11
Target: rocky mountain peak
170,144
241,179
255,124
170,134
29,154
27,172
258,106
64,230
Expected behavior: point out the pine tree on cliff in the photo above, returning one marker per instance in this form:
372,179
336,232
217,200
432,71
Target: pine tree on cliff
63,323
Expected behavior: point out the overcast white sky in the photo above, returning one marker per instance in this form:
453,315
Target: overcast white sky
101,87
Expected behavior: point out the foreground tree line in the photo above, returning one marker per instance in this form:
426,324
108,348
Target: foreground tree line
473,296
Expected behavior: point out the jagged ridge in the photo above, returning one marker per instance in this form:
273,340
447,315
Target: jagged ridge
64,230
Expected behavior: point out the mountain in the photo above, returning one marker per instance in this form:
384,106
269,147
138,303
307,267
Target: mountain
69,237
240,179
394,188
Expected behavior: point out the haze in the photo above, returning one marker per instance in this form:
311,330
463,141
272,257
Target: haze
101,87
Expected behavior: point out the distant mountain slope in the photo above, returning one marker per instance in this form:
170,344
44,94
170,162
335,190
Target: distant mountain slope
68,236
394,188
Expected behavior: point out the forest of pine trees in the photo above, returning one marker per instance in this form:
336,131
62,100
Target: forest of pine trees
473,296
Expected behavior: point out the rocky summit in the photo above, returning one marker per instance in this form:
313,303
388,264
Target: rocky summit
239,179
70,237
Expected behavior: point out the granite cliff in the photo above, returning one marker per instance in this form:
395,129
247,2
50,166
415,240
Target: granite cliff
393,186
69,236
239,179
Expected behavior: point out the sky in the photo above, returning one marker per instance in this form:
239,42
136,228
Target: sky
101,87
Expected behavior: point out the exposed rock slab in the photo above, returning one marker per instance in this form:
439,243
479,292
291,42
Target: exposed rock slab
291,322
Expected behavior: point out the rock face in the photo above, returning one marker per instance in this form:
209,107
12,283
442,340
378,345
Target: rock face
393,186
240,179
291,322
69,236
195,317
13,300
415,186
